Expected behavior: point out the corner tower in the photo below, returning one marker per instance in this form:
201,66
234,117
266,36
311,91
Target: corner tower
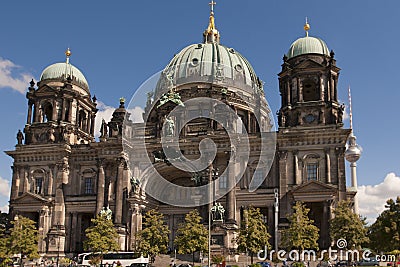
60,109
311,138
308,85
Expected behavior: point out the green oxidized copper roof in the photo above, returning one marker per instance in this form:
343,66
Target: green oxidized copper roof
213,63
61,71
308,45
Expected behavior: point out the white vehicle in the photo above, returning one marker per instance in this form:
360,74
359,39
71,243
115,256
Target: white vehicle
111,259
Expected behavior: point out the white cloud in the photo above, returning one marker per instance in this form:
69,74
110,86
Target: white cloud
105,112
346,115
11,77
372,198
4,208
4,187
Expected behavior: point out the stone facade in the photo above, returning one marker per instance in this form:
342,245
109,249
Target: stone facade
63,177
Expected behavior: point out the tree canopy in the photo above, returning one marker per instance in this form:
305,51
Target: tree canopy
192,235
253,234
384,233
302,233
348,225
23,238
153,239
101,236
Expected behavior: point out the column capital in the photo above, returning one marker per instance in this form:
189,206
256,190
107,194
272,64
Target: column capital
282,154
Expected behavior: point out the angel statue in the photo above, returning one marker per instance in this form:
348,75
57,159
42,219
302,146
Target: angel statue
106,212
135,184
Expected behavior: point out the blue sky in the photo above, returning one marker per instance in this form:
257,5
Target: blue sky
118,45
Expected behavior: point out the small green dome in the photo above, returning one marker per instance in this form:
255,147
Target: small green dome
308,45
60,71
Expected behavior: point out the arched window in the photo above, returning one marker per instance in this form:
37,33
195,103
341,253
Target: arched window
82,120
47,112
310,90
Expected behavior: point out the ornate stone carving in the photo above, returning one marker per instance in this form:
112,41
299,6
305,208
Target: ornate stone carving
282,154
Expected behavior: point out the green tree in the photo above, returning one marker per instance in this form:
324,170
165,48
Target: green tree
4,255
348,225
302,233
192,235
23,238
153,239
102,237
253,234
384,233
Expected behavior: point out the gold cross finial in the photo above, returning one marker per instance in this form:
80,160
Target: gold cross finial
212,4
306,27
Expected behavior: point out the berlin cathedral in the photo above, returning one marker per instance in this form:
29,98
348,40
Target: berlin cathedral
63,176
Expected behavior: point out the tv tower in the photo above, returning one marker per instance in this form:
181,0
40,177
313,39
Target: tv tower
352,154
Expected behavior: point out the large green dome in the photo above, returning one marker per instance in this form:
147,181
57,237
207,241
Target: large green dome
213,63
308,45
60,71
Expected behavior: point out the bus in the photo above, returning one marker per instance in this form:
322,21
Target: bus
110,259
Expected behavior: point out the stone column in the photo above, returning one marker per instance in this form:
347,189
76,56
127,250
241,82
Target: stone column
231,196
77,115
332,88
59,205
325,224
42,229
69,111
300,89
271,220
328,166
57,232
15,183
340,173
54,115
89,120
74,231
78,235
50,180
26,179
29,117
135,223
36,112
100,187
119,193
92,124
282,172
288,95
321,88
296,167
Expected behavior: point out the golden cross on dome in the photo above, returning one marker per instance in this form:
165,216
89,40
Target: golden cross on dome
212,4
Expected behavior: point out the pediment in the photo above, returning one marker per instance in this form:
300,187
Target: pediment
45,89
309,64
312,187
30,198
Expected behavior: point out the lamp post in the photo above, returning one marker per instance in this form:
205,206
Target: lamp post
212,175
58,226
276,213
